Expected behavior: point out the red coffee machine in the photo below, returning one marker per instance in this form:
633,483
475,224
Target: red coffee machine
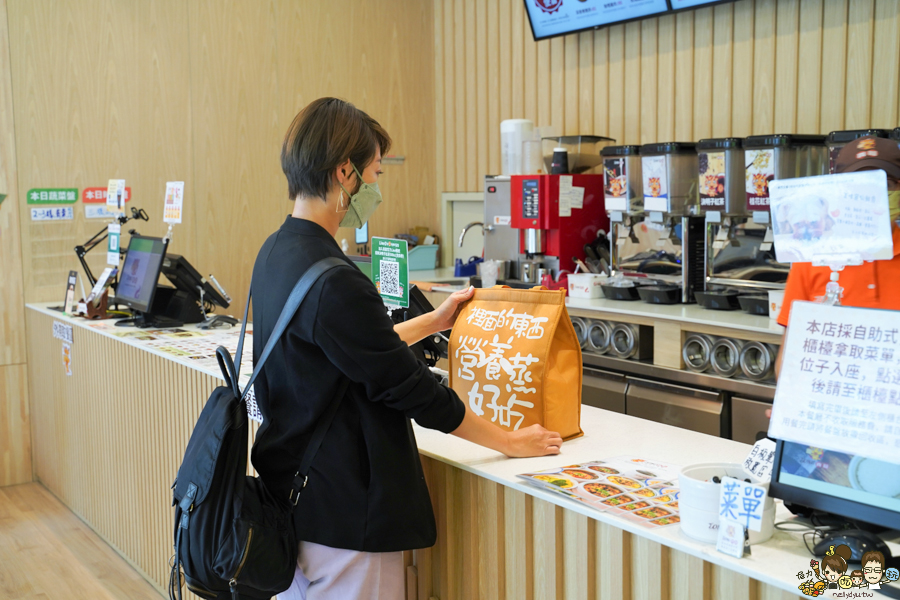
552,227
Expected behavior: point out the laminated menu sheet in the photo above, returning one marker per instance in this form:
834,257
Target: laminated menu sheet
637,489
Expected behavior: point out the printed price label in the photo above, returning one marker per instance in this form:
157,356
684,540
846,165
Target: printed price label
59,213
52,196
174,202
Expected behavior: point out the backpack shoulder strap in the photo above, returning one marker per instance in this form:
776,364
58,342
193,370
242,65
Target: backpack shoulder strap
287,313
290,309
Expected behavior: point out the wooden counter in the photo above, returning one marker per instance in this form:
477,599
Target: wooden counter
108,440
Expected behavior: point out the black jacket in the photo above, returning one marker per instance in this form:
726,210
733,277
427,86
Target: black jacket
366,490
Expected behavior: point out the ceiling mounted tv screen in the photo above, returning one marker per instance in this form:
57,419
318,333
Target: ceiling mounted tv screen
552,18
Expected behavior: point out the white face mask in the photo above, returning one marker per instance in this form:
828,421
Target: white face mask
362,204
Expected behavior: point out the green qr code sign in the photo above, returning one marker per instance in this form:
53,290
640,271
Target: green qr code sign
390,270
52,196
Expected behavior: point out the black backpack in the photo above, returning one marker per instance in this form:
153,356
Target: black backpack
233,538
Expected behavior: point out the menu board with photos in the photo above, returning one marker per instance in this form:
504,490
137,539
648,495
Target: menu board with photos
637,489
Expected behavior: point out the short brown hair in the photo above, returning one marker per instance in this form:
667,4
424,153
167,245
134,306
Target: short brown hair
873,556
323,135
837,561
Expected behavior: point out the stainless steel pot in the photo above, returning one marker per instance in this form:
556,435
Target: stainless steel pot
697,352
598,336
528,270
726,357
757,360
624,340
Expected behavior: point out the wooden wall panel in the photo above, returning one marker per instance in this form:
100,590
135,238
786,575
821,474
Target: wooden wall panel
12,310
750,67
203,91
15,426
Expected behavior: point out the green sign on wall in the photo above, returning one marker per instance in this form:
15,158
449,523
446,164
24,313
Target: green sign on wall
390,270
52,196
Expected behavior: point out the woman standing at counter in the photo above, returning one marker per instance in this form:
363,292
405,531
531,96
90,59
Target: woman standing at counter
366,498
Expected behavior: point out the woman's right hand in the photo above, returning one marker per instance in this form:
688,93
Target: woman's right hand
533,440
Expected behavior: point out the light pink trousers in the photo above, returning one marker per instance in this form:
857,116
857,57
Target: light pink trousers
325,573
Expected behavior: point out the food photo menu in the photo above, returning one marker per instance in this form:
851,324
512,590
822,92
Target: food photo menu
637,489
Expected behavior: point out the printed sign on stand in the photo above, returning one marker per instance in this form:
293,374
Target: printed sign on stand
113,231
115,195
842,219
840,381
69,302
94,200
759,462
390,270
742,502
174,202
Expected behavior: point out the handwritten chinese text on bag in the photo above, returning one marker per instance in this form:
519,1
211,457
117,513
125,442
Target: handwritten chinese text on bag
515,359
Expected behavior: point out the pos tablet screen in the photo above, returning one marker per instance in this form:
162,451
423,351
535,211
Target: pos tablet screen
140,272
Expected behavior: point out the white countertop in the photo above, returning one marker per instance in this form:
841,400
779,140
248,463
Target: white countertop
108,329
684,313
609,434
444,274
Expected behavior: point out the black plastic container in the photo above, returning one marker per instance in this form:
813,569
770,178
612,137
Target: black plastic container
727,300
755,304
613,292
660,294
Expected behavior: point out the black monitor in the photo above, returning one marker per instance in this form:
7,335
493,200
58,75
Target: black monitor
137,284
187,279
849,486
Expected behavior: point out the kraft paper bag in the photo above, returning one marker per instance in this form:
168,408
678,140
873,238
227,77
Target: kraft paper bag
516,361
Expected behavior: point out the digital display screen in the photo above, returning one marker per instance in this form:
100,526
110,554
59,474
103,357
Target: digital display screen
550,18
841,475
362,234
140,272
679,4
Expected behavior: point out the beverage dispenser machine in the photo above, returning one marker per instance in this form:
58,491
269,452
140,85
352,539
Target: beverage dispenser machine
734,176
659,243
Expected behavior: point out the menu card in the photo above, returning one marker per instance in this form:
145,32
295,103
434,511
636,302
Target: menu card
636,489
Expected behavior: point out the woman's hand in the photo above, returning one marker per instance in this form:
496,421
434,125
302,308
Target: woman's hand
445,314
529,441
533,441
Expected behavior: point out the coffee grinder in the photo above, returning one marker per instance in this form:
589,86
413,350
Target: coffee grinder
557,215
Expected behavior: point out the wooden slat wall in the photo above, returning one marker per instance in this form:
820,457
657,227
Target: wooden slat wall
203,91
497,542
15,434
745,68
